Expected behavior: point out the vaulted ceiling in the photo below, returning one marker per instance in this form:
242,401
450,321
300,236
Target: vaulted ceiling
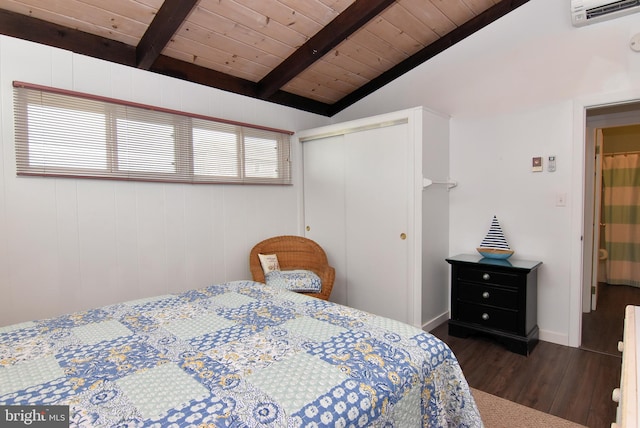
319,56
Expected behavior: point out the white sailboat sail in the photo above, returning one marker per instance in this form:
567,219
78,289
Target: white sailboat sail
495,238
495,245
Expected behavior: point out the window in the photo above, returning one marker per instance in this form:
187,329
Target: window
62,133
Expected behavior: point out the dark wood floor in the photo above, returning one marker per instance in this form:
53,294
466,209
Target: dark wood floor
571,383
603,328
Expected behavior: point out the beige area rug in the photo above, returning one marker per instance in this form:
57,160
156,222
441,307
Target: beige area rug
497,412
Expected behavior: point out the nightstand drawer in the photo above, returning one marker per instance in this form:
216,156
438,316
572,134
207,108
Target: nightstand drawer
495,297
501,319
487,276
506,298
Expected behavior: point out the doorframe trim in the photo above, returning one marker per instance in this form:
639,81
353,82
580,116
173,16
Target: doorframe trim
580,107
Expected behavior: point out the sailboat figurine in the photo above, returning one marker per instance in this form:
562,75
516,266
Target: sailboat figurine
494,245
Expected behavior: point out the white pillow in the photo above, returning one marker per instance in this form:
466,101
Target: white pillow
294,280
269,262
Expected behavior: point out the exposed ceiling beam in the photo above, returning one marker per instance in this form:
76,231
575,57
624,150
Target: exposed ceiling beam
349,21
39,31
193,73
28,28
170,16
460,33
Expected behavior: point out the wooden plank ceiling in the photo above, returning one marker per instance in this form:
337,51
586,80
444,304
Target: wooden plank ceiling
315,55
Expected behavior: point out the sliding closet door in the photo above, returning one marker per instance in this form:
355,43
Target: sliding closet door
376,213
356,206
324,204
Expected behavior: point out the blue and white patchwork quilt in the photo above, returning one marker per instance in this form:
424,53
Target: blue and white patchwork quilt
240,354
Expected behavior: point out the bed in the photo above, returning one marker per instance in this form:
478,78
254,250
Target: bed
239,354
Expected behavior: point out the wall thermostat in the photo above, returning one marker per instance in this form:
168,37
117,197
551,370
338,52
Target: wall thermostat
536,164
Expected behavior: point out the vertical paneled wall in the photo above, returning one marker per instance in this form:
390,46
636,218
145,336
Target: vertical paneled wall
74,244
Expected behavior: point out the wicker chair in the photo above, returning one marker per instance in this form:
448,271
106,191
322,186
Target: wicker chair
295,252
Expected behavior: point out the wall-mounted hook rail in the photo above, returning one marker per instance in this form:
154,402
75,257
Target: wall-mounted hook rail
428,182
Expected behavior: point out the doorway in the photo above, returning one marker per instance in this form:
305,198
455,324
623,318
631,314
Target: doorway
610,130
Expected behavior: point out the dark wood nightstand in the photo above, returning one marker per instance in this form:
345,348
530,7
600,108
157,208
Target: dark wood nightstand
495,297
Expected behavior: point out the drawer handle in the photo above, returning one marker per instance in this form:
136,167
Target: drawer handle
615,395
620,346
485,316
486,276
485,295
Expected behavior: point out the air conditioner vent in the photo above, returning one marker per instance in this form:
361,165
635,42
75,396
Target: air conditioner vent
585,12
610,8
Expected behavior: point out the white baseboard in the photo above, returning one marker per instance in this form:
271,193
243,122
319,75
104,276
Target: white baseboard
430,325
554,337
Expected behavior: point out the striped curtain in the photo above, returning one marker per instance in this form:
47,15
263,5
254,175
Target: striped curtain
621,214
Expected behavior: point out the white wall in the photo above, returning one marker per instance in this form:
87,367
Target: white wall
514,90
518,89
68,244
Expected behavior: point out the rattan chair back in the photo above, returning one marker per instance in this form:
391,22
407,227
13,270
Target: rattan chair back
295,252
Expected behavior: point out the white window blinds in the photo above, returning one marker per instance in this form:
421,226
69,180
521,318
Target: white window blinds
63,133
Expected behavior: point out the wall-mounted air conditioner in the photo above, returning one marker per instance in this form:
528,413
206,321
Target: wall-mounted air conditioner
585,12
